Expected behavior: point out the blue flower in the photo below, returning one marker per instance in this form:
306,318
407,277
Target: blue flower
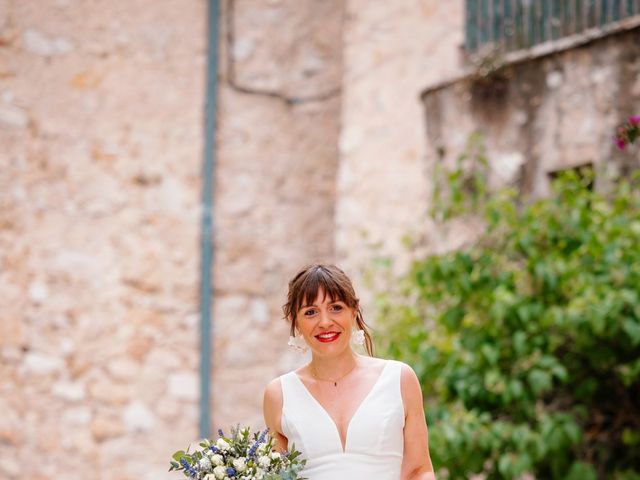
261,439
231,471
188,468
252,450
220,432
214,449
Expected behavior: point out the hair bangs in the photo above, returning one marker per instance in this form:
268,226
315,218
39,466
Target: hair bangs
318,279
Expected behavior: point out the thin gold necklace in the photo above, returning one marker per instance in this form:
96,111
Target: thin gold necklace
335,381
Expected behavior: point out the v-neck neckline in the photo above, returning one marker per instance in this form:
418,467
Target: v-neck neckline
343,448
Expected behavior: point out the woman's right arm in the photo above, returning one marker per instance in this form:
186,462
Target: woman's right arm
272,411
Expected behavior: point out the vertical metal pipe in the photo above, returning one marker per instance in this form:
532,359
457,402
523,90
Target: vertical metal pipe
206,234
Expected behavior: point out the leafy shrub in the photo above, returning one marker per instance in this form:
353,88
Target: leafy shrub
527,344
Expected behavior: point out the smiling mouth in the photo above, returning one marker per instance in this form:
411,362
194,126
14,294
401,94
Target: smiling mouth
328,337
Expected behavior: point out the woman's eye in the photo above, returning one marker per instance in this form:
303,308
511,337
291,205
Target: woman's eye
308,313
337,307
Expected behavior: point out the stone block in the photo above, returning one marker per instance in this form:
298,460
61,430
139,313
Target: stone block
183,386
138,417
42,364
105,427
109,393
38,43
70,391
13,116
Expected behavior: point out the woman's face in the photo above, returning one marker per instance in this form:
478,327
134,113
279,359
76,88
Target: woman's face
326,325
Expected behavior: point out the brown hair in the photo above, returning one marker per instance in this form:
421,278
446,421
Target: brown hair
304,287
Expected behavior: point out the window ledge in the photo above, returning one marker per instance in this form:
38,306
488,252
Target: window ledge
545,49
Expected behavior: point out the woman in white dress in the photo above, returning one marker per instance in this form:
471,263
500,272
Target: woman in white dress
353,417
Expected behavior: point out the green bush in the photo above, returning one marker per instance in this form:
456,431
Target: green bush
527,344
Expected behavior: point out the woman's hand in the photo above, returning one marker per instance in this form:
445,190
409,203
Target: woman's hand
416,462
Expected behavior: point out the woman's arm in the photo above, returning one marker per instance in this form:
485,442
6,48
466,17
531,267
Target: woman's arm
272,411
416,462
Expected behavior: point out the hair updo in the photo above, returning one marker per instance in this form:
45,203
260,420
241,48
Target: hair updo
304,288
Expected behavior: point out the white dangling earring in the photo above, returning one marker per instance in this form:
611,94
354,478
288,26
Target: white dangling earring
298,343
357,337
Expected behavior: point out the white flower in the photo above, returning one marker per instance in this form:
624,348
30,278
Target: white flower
262,448
204,464
217,459
275,455
259,473
220,472
264,461
240,464
222,445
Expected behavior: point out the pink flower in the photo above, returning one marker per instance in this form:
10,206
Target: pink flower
634,120
620,142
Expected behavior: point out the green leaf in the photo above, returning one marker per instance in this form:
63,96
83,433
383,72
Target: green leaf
631,437
539,380
178,455
573,432
632,329
581,471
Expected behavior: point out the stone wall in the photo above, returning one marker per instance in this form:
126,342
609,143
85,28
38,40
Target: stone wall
100,153
275,184
392,51
542,115
101,142
100,127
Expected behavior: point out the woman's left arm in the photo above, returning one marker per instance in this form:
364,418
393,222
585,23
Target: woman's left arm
416,462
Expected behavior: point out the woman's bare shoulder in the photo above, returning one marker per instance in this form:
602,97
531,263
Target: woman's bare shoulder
272,404
410,386
273,392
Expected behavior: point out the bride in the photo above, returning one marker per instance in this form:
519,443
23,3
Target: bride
353,417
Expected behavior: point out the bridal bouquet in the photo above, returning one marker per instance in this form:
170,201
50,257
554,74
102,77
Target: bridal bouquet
242,456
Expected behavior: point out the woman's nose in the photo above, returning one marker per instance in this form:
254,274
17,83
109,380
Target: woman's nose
325,317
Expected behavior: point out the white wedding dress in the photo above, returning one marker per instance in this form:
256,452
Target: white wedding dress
374,438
